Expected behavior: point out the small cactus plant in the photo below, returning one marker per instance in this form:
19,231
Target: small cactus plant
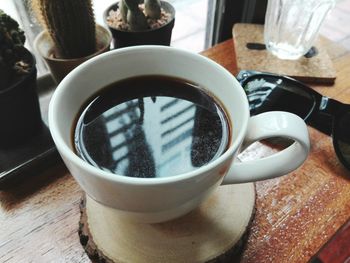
12,50
71,25
140,22
136,19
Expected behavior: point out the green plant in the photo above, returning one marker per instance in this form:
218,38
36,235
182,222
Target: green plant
11,50
132,14
71,25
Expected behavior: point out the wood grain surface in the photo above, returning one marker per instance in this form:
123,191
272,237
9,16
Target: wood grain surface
336,250
295,214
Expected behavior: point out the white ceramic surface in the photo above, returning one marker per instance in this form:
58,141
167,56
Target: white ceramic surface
161,199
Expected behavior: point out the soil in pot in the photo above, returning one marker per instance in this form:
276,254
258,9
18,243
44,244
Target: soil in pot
159,32
114,19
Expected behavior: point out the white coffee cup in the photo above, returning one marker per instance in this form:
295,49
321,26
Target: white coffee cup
162,199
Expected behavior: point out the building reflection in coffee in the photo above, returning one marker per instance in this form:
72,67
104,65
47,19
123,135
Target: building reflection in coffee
169,129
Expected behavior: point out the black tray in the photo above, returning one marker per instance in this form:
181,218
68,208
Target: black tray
38,153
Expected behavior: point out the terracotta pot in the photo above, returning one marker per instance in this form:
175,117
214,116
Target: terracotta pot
157,36
20,116
61,67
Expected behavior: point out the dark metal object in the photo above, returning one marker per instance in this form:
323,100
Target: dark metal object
313,51
256,46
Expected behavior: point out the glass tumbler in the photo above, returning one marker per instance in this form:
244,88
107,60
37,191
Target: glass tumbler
291,26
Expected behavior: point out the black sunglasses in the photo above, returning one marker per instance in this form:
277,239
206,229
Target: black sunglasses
271,92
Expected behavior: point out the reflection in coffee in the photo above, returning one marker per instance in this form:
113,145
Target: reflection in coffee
151,126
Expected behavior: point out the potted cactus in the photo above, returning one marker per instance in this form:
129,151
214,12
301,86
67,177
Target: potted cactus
134,22
19,106
71,35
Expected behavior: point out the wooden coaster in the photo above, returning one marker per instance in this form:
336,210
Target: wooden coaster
317,69
215,232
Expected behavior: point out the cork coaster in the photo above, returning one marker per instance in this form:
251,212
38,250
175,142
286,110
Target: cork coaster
316,69
214,232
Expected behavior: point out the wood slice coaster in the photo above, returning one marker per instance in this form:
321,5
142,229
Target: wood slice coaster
214,232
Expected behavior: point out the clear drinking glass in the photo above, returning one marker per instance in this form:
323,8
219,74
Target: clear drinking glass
291,26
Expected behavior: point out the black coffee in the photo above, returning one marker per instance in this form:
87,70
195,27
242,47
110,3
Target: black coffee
151,126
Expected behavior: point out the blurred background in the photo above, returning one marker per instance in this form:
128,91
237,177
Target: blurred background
199,24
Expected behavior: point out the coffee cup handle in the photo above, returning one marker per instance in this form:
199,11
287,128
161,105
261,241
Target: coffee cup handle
269,125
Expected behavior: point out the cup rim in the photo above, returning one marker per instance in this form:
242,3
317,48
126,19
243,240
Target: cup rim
66,151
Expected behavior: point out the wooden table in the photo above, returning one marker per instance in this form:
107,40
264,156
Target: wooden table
296,214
